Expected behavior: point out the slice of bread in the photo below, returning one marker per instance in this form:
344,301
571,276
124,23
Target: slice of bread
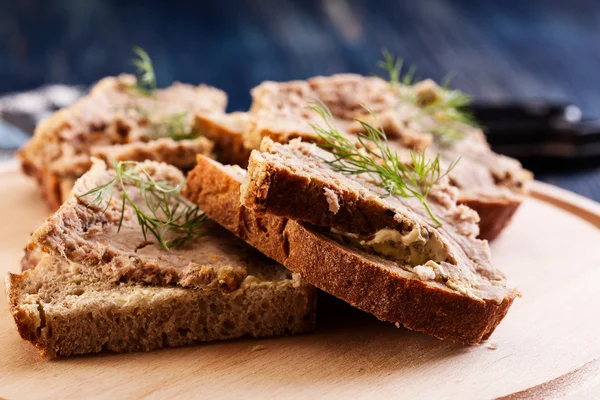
64,312
180,154
393,293
226,131
491,184
113,113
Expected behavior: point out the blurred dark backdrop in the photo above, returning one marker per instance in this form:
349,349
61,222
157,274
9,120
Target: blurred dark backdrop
497,49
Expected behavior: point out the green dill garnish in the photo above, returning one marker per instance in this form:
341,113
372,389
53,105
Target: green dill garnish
145,79
373,156
393,66
174,126
163,212
446,107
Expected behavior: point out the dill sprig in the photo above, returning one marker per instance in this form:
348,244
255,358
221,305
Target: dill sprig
145,79
164,211
174,126
393,66
374,157
447,107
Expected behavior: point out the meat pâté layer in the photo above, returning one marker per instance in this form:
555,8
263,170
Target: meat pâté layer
112,114
87,233
492,184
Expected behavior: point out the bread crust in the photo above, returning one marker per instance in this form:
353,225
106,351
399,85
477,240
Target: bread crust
364,281
226,131
26,325
388,296
49,182
494,214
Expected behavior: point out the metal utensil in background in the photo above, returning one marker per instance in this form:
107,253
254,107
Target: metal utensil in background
25,109
543,135
21,112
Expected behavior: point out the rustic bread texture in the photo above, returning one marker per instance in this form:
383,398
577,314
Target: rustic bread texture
226,131
493,184
217,187
111,114
63,312
180,154
88,234
30,259
365,281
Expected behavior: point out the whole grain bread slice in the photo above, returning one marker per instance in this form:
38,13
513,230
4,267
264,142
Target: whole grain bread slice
114,113
64,312
364,280
492,184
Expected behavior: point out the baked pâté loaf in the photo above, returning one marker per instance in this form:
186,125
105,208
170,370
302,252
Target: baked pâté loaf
64,312
226,131
115,114
492,184
89,232
407,296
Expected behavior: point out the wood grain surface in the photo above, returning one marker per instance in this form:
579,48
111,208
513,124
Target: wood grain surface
548,345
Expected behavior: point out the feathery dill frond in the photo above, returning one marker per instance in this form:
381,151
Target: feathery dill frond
373,156
393,65
447,107
164,212
174,126
145,78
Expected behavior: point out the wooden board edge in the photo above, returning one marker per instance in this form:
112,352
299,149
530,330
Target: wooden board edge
584,208
584,378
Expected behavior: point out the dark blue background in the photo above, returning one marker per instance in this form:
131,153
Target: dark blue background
497,49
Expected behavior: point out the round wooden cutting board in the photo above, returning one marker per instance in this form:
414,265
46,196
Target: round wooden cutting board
547,346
